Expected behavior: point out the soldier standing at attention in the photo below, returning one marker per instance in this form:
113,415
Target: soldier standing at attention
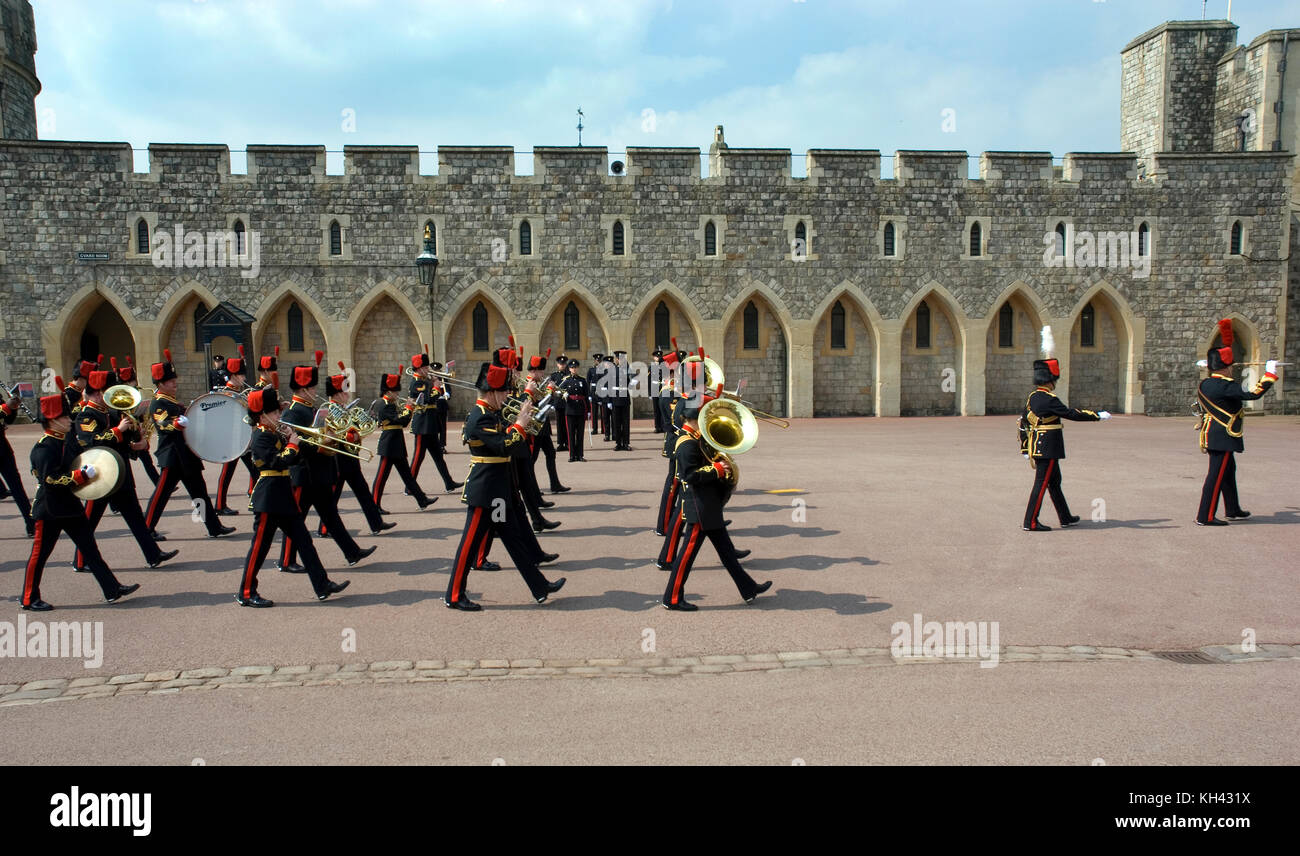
1220,396
1043,442
217,375
274,506
179,463
539,385
491,507
596,402
393,418
561,412
57,509
576,394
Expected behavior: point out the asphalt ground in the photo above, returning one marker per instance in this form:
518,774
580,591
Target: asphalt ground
859,523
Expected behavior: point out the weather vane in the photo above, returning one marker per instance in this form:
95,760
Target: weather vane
579,126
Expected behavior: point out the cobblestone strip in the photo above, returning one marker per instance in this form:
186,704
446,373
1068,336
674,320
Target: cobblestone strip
170,682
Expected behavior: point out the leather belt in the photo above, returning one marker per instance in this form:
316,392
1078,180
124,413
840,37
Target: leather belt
475,459
269,473
1056,427
392,427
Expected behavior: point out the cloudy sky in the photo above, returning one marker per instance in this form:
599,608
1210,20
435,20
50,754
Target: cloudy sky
1038,75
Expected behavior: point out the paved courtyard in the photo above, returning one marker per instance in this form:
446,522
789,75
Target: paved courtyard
859,523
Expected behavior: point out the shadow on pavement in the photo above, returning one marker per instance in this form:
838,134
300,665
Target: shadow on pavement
624,601
603,563
1291,515
778,531
1126,524
804,563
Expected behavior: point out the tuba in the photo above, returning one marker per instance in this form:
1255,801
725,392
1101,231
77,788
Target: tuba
730,429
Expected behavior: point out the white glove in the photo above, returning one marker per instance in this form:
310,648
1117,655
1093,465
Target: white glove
1270,367
1103,415
181,422
1203,364
88,471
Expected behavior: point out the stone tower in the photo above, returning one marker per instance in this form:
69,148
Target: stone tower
1167,87
18,82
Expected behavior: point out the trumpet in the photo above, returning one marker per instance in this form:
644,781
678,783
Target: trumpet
325,440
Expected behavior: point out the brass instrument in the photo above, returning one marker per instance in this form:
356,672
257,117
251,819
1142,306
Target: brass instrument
325,440
340,419
450,379
758,414
730,429
713,376
541,412
126,400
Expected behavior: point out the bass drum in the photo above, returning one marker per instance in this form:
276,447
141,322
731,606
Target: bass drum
217,432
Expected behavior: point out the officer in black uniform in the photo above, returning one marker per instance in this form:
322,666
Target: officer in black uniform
561,413
1044,443
9,465
315,473
236,371
621,402
665,407
349,467
489,492
274,506
424,421
656,392
595,401
704,492
57,509
1220,396
96,426
576,395
441,392
217,375
393,418
179,463
75,391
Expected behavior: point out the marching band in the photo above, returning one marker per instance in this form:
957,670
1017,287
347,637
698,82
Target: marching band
300,454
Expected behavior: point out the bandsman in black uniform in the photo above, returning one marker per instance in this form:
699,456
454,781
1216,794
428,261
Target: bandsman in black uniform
1043,440
236,371
349,467
540,385
620,402
9,465
561,412
393,418
217,375
57,509
595,400
74,392
576,393
140,448
657,393
665,409
314,474
690,380
441,391
179,463
97,426
1220,396
489,494
274,506
424,420
704,492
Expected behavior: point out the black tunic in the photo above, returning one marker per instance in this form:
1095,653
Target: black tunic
1220,397
491,444
392,419
273,456
52,458
703,490
1044,412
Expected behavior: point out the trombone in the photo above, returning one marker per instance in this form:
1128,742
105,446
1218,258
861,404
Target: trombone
758,414
325,441
447,378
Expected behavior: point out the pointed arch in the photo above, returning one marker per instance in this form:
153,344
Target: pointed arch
569,290
862,359
768,366
1116,300
848,290
1008,369
373,296
1020,289
937,377
479,290
61,336
665,288
1129,332
1243,329
779,308
934,293
289,292
183,291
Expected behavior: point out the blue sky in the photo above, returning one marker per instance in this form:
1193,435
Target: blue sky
798,74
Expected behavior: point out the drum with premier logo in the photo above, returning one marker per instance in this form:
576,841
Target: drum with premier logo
217,432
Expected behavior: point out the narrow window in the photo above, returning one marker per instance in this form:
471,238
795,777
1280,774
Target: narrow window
295,328
618,237
479,318
1060,240
525,239
433,234
1088,327
239,237
1235,248
975,243
142,237
710,239
572,327
800,239
751,326
1144,236
199,311
663,334
889,238
1006,326
837,326
923,326
336,240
